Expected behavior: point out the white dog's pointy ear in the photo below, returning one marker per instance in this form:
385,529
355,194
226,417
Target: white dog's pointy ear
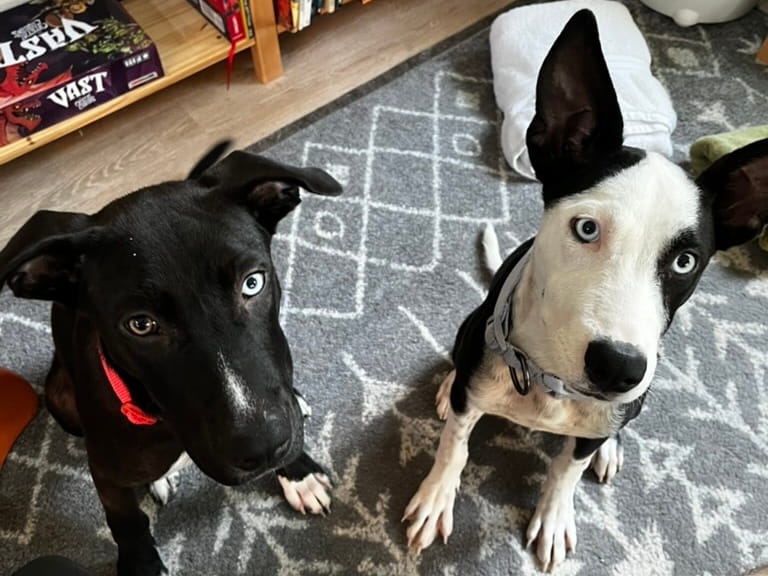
738,185
268,188
42,260
578,118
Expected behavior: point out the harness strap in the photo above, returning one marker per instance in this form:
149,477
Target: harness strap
523,371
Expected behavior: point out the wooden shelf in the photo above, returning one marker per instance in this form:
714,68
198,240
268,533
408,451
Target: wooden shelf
186,44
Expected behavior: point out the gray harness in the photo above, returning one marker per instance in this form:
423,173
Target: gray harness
523,371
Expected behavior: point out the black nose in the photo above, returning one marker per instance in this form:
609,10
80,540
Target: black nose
614,366
254,455
263,445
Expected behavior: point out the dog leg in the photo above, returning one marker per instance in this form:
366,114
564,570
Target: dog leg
306,486
60,398
491,251
431,509
443,397
163,488
608,459
553,523
137,554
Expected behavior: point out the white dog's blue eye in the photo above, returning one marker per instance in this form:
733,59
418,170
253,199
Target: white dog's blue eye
685,263
586,230
253,284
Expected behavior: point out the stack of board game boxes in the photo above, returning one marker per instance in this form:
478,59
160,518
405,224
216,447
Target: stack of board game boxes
60,58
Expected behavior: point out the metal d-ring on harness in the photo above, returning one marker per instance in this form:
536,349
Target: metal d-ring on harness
523,371
525,387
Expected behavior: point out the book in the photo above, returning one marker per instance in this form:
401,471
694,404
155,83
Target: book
245,13
305,13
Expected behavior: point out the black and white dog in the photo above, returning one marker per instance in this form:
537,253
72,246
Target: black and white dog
168,345
568,336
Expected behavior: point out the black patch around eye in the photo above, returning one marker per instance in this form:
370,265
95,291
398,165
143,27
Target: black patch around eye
677,288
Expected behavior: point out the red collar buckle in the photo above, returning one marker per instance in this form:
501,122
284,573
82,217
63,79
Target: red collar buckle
133,413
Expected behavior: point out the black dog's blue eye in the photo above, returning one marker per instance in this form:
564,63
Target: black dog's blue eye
685,263
586,230
253,284
141,325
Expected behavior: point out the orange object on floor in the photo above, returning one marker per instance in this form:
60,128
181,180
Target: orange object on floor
18,405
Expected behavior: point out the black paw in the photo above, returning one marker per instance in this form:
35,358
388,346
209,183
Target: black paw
140,561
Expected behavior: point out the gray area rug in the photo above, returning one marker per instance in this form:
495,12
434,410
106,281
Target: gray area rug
376,284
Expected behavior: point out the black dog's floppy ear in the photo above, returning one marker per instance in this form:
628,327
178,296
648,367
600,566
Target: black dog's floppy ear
578,118
738,183
270,189
42,260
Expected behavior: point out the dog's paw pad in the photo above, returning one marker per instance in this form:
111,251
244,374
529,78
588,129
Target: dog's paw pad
608,460
443,397
553,528
163,489
430,512
311,494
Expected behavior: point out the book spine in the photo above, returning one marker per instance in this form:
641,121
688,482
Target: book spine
283,11
245,14
295,14
305,14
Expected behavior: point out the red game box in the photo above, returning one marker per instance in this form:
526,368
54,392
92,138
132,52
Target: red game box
58,59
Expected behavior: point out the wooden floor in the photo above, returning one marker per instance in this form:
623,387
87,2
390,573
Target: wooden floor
160,137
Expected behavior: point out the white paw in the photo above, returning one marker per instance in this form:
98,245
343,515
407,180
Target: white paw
161,490
608,459
554,527
443,397
311,494
430,512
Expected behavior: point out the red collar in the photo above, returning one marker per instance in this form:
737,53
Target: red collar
134,414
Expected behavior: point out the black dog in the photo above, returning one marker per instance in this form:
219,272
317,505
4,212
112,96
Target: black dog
165,325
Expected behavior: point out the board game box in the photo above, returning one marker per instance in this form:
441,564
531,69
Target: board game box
59,58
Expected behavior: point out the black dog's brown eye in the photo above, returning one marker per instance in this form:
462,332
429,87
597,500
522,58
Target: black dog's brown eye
142,325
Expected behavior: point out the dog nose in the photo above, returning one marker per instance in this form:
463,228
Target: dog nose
614,366
254,456
262,444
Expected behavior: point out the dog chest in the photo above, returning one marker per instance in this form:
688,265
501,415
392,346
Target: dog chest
491,390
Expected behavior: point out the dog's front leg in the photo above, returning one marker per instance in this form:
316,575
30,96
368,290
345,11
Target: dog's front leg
137,554
554,523
431,508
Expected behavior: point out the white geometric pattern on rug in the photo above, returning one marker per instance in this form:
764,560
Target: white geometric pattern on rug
326,233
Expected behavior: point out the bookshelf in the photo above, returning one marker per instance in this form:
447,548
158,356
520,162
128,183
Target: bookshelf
186,45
